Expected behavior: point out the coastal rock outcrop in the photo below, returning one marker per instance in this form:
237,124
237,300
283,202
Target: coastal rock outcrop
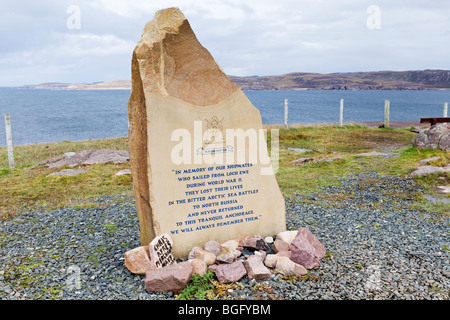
435,137
87,157
426,170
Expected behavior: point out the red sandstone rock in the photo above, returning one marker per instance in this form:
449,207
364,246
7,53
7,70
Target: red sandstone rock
137,260
280,245
255,242
320,249
208,257
228,255
199,266
228,273
174,277
191,254
271,260
304,253
213,247
261,254
256,269
287,236
287,267
284,254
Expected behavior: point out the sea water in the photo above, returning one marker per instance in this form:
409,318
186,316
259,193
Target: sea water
41,115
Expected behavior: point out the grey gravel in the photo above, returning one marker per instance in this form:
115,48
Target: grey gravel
378,248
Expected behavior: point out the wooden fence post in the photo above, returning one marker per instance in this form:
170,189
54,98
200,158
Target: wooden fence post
341,113
286,113
445,109
386,113
9,141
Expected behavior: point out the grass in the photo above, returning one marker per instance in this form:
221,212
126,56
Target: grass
327,141
200,287
204,287
23,188
31,154
344,142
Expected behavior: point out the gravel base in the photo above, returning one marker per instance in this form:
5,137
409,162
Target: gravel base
378,249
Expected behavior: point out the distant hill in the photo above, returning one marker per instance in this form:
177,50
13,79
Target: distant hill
377,80
380,80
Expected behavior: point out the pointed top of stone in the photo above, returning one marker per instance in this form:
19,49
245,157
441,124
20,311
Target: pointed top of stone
165,21
174,63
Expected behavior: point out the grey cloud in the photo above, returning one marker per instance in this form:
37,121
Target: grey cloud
246,37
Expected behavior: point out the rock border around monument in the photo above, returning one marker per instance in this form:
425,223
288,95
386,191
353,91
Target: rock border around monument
251,257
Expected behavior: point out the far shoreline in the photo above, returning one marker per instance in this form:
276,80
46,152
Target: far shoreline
370,124
404,124
293,89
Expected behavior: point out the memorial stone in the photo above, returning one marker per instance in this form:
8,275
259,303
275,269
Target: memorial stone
198,152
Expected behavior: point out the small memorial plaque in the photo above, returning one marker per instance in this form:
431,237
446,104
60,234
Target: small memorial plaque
161,251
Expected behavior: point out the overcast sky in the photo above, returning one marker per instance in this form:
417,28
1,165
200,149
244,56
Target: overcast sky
86,41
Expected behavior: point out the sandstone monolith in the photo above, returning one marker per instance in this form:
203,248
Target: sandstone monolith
198,153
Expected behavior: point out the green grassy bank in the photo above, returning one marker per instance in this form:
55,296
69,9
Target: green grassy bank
24,188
